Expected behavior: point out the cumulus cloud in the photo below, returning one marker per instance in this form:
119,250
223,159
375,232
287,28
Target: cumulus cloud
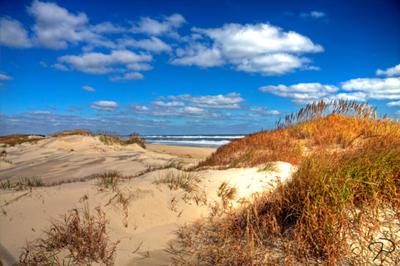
127,76
168,104
261,48
390,72
302,92
198,55
228,101
100,63
375,88
55,27
104,105
153,44
88,88
150,26
108,28
359,89
13,34
257,111
392,104
186,105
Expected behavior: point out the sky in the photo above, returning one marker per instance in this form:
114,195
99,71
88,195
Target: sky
191,67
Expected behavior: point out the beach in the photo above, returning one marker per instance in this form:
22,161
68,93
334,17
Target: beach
70,169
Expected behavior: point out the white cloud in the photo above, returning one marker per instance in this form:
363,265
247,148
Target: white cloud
193,110
261,48
302,92
153,44
13,34
228,101
100,63
273,64
151,26
199,55
139,67
313,14
60,67
256,111
5,77
104,105
375,88
392,104
88,88
392,71
168,104
55,27
108,28
352,96
359,89
127,76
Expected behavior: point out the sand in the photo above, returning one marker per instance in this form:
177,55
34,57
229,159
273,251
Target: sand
153,213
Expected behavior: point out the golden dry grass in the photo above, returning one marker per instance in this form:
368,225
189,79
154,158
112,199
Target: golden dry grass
79,239
80,132
293,143
341,205
12,140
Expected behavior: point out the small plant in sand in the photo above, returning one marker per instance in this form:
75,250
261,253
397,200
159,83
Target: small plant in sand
79,239
135,138
268,167
108,180
184,180
23,183
226,193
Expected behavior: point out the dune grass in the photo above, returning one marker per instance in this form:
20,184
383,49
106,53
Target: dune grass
108,180
186,181
340,206
110,139
23,183
79,239
79,132
332,126
12,140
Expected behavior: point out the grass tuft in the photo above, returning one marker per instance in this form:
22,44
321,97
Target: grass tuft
79,239
186,181
23,183
108,180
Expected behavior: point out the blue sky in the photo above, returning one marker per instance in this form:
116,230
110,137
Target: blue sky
187,67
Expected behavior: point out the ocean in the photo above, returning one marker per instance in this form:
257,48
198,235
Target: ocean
191,140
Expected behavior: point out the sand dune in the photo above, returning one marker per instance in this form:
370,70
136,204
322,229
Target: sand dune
153,212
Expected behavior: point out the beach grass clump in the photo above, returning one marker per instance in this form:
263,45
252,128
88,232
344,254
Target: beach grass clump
110,139
23,183
311,219
334,126
79,239
12,140
108,180
187,181
135,138
75,132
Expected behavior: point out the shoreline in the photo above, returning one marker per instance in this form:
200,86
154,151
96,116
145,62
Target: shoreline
185,151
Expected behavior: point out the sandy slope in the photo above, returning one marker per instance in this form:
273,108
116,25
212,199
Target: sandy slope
153,213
